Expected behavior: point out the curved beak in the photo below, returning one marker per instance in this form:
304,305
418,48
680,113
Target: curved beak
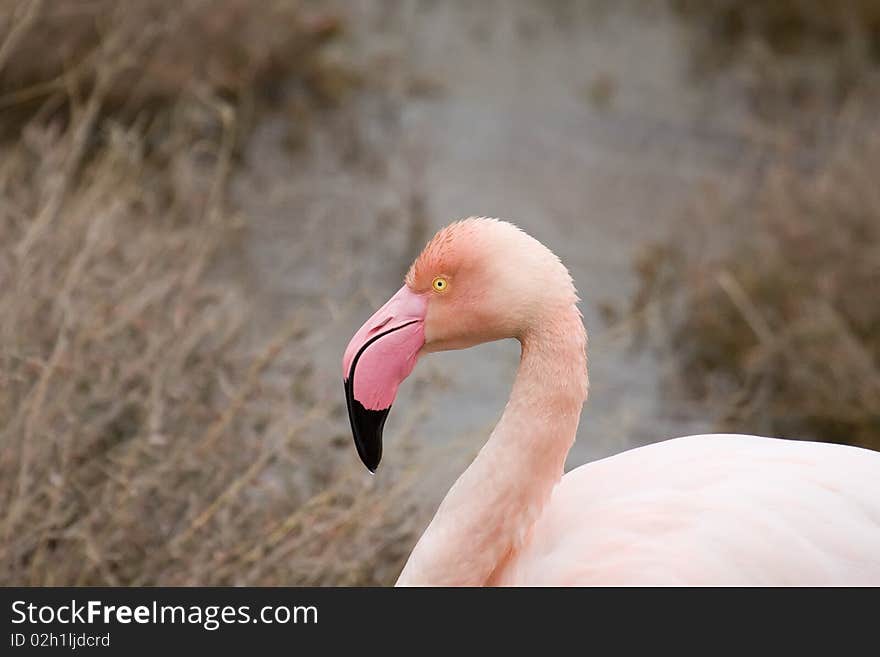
379,357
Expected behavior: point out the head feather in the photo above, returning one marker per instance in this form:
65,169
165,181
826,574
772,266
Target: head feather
437,256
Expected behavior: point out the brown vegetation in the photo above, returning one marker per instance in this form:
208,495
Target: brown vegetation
771,304
142,439
809,54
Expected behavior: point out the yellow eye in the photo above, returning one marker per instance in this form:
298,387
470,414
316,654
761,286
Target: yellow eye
440,284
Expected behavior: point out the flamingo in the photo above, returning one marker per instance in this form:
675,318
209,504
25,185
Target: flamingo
716,509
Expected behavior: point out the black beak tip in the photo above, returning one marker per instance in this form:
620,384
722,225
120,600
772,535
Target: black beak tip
366,428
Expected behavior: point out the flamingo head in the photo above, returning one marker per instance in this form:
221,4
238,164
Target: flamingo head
476,281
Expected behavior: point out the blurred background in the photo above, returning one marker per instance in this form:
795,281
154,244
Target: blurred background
201,201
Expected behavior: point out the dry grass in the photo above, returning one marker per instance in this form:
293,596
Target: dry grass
144,55
769,305
142,440
807,55
772,309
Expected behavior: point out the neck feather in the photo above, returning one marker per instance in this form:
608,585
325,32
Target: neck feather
490,509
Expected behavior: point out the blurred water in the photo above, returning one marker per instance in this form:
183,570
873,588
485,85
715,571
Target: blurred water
576,120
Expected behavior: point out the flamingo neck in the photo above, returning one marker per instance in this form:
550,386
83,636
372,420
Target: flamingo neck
489,511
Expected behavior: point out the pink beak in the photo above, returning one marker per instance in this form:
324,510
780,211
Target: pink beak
379,357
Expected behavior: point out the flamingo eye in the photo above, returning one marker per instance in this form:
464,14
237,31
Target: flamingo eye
440,284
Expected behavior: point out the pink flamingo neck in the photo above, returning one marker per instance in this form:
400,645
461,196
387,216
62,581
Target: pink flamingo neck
489,511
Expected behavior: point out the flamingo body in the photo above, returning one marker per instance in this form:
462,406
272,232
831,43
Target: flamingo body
718,509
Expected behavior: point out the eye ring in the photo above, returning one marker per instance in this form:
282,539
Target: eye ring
440,284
